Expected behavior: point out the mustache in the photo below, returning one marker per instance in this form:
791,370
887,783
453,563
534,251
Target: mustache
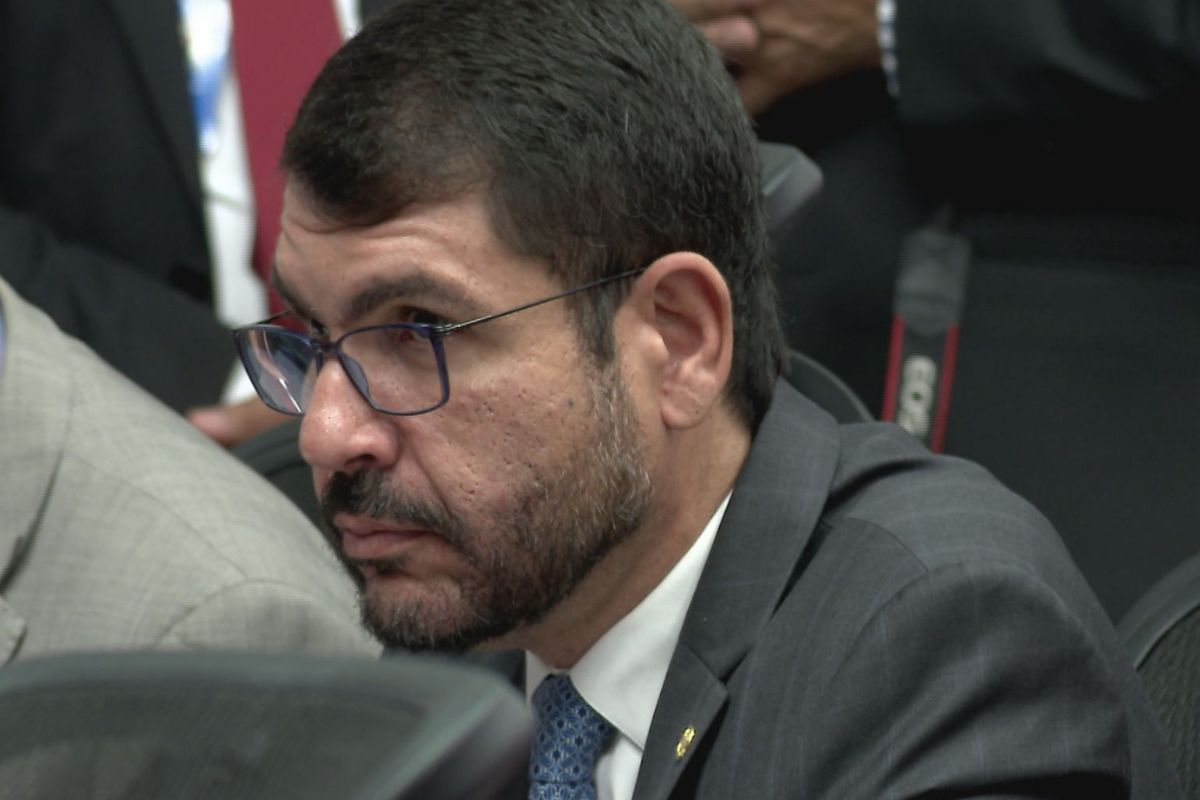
367,494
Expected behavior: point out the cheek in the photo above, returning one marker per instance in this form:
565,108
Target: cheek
500,438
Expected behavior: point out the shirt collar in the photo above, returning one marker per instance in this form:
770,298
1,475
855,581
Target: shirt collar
622,674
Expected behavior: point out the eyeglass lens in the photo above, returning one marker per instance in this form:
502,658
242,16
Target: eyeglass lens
395,368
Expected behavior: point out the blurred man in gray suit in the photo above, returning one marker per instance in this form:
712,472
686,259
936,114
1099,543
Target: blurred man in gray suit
534,340
121,527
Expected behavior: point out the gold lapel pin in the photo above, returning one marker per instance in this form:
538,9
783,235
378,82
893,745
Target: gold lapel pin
685,741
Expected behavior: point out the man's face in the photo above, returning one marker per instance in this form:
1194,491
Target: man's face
476,519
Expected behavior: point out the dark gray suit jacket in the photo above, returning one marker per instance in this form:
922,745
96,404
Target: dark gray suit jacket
875,622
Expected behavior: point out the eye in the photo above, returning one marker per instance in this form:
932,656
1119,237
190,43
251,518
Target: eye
419,316
314,329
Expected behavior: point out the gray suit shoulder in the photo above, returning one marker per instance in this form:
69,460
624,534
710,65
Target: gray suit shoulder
152,536
154,458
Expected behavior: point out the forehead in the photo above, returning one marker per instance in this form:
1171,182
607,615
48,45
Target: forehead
446,252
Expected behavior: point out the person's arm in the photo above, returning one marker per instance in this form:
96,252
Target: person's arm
727,24
960,64
793,44
169,343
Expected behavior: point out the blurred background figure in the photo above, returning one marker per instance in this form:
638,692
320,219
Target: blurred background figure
123,528
1050,146
138,142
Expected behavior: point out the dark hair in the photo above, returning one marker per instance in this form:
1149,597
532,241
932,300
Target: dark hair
604,133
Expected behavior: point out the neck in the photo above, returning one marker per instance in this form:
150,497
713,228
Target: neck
694,472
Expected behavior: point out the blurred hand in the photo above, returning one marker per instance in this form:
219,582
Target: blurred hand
805,42
705,10
726,24
233,424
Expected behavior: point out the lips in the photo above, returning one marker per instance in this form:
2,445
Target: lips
368,540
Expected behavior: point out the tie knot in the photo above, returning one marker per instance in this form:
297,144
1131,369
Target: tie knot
568,739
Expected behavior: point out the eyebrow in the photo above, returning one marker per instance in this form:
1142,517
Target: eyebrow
414,287
289,297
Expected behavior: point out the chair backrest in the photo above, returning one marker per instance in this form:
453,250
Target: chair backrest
789,181
134,726
1162,634
827,390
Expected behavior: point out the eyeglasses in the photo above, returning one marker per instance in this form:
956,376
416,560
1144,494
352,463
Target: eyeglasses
399,369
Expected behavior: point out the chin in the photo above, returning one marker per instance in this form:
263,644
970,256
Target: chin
425,621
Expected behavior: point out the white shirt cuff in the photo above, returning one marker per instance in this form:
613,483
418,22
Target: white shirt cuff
886,10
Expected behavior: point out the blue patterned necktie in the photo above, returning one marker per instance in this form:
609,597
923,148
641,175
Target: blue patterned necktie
567,741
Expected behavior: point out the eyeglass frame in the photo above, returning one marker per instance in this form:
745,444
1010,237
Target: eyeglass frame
434,334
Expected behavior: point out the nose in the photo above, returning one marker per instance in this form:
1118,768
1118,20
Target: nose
340,432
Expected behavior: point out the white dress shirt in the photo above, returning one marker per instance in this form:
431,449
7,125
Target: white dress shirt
885,10
622,674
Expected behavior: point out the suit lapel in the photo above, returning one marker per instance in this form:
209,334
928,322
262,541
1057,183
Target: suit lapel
154,34
755,558
690,700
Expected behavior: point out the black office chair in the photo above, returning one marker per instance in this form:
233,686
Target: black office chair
789,181
148,726
1162,634
827,390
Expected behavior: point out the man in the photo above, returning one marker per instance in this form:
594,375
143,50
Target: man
1061,138
534,341
121,527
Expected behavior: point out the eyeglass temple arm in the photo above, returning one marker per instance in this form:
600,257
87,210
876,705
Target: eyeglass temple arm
446,330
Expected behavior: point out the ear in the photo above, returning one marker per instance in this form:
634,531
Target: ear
685,302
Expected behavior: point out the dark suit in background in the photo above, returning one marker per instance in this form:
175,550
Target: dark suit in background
874,621
1063,137
101,209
